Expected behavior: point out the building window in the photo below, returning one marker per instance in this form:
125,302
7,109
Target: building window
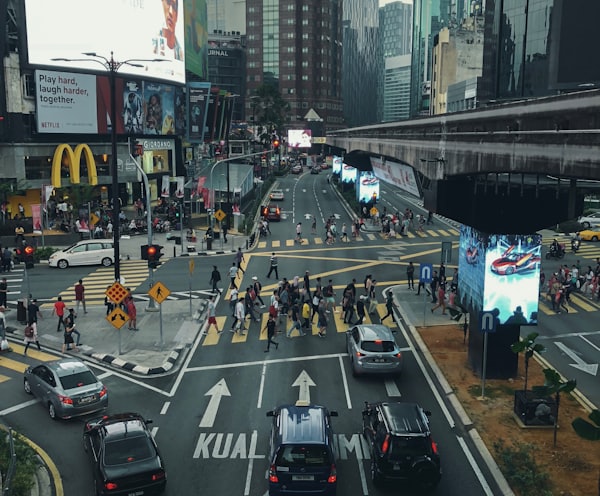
28,86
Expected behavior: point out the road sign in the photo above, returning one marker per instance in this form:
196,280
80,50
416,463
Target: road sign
116,293
425,272
446,252
487,321
117,318
220,215
192,266
159,292
373,212
94,219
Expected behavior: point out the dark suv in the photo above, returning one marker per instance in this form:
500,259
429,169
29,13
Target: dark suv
401,445
302,456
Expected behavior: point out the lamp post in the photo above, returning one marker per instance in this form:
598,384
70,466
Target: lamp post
112,67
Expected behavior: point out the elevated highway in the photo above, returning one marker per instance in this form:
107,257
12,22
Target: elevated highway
512,167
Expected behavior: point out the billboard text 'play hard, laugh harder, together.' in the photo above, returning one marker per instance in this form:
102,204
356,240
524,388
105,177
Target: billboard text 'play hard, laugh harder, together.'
65,154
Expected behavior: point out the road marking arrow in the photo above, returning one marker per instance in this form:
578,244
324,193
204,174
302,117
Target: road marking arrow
590,368
304,382
216,393
308,216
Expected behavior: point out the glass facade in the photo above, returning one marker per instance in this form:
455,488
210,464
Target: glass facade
270,37
395,21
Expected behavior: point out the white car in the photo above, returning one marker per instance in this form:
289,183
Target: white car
87,252
277,195
591,220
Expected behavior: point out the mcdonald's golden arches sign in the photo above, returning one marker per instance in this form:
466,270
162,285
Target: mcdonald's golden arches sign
64,154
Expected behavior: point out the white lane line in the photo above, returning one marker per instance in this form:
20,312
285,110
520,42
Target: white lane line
106,374
165,407
222,366
153,432
475,467
18,407
261,387
589,342
345,382
392,389
363,477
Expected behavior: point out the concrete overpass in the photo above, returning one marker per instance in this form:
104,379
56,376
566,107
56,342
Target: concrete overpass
511,168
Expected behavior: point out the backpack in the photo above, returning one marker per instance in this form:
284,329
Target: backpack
273,311
29,331
252,294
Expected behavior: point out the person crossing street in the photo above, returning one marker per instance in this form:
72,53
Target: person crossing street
273,266
270,328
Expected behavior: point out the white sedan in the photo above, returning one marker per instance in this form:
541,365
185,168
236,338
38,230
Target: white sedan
277,195
591,220
88,252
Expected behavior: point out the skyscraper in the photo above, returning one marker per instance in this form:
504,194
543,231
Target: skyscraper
296,46
395,23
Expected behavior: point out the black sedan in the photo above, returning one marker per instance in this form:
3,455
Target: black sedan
124,456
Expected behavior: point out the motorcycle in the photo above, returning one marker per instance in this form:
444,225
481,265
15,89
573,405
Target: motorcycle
575,245
557,253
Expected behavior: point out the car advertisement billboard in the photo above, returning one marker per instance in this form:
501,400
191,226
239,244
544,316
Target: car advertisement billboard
500,272
336,165
368,186
299,138
349,174
147,31
400,175
512,277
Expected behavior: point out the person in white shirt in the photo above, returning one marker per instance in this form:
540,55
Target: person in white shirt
240,316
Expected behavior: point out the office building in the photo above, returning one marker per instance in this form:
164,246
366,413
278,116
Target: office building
396,88
395,23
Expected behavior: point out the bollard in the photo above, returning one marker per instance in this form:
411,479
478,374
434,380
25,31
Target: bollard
247,244
174,252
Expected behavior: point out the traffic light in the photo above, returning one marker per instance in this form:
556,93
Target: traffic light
144,252
276,145
374,198
28,252
154,254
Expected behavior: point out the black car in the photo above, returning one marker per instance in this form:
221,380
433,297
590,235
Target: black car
302,457
402,448
125,459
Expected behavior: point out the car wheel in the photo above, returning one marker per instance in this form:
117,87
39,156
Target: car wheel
509,271
107,262
51,411
27,386
587,225
62,264
426,475
594,238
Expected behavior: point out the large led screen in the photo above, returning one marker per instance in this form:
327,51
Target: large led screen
135,31
299,138
400,175
348,174
500,272
368,185
512,277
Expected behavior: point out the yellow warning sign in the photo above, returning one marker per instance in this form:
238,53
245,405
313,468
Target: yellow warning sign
117,318
116,293
159,292
374,212
220,215
94,219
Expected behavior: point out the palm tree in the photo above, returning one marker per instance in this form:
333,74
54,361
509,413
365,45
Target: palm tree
555,385
528,346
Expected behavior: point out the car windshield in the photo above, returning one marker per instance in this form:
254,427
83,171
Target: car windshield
79,379
128,450
378,346
302,455
403,446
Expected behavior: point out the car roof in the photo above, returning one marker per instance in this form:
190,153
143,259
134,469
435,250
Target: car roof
89,241
67,366
405,418
374,332
120,425
302,424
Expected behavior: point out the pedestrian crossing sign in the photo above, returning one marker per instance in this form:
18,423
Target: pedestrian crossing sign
117,318
159,292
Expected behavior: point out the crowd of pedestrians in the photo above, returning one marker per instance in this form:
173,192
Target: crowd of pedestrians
567,280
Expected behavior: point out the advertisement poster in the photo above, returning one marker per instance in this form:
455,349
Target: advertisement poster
160,109
196,37
368,187
349,174
336,167
179,191
180,112
36,215
133,107
400,175
66,102
299,138
197,110
153,30
164,190
471,267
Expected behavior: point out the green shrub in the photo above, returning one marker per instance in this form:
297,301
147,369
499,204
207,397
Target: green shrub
43,253
26,463
521,470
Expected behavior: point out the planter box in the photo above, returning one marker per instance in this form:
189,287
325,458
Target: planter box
534,410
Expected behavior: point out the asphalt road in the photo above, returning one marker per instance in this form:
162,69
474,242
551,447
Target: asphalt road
210,418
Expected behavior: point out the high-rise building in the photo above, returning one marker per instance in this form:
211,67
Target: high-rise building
362,63
539,47
396,88
395,24
226,16
429,17
296,46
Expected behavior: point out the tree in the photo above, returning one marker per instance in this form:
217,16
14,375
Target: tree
528,346
589,431
555,385
270,110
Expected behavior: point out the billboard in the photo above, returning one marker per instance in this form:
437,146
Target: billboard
336,166
196,37
197,109
147,31
400,175
501,272
299,138
368,185
159,105
349,174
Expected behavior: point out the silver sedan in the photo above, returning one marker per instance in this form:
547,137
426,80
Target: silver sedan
373,350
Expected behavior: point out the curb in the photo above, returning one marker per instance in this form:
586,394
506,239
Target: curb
134,367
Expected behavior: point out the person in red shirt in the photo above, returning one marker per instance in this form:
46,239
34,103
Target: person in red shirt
59,311
80,296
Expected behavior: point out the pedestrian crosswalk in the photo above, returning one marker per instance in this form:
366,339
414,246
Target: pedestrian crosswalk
256,331
588,250
15,280
364,236
577,303
14,359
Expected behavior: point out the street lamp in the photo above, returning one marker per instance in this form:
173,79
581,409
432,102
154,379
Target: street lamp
112,67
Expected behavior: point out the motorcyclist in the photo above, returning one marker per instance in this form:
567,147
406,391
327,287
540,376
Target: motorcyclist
555,247
575,243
